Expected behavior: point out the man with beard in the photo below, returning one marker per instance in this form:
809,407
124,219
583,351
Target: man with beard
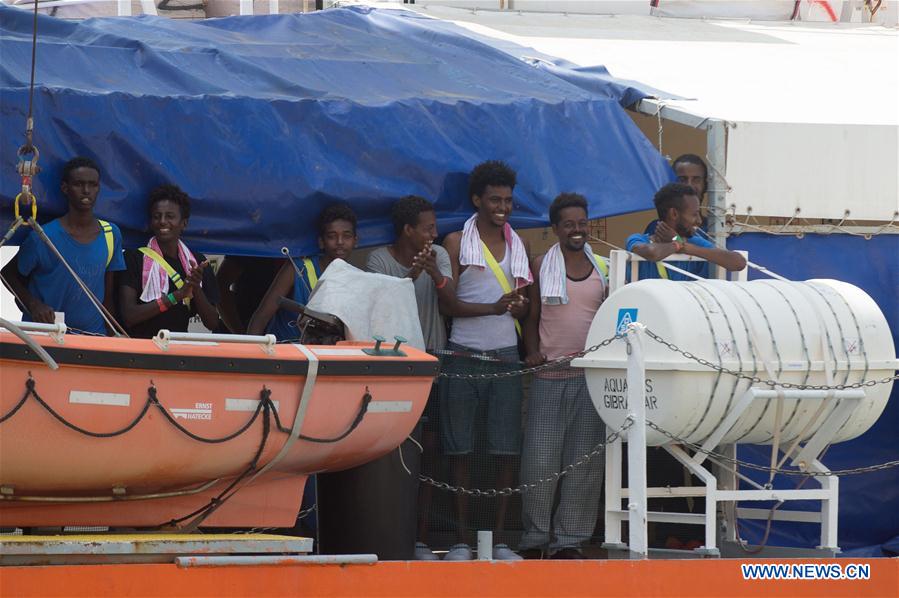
92,247
562,424
692,171
679,217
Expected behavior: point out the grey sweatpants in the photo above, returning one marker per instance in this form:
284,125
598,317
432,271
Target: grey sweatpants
562,426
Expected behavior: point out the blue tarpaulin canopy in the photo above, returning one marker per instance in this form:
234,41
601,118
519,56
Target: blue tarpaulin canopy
264,120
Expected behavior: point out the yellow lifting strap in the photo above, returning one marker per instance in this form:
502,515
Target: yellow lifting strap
504,282
601,262
310,272
663,271
176,278
110,241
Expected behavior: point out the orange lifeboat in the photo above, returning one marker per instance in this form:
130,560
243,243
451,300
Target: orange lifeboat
177,431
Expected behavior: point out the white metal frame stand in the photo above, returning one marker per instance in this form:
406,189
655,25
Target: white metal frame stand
721,490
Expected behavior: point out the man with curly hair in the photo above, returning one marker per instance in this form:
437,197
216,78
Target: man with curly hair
165,284
490,264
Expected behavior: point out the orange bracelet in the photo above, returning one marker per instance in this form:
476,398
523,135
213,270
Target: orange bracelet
442,283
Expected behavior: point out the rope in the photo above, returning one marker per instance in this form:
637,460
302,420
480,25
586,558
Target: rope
360,415
104,313
152,399
165,412
29,122
200,515
29,384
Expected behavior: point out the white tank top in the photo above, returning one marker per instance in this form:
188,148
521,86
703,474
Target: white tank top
484,333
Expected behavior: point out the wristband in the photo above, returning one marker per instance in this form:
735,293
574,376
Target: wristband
678,242
171,298
442,283
161,304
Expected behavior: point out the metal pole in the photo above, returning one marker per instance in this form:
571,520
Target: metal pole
716,152
636,442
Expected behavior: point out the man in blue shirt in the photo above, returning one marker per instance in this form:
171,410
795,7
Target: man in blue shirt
690,170
92,247
679,216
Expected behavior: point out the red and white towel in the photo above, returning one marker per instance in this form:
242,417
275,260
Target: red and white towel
154,280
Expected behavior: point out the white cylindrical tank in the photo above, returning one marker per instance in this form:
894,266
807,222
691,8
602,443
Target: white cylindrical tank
820,332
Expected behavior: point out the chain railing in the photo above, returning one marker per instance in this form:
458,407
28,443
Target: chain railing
555,363
793,472
598,449
758,380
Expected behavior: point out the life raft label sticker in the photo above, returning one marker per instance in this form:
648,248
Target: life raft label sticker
390,407
245,404
615,394
626,316
199,411
84,397
339,352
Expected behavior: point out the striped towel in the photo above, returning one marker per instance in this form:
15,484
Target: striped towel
553,284
154,279
471,254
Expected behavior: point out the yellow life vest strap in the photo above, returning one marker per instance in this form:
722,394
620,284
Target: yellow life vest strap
504,282
603,266
663,271
310,272
176,278
110,241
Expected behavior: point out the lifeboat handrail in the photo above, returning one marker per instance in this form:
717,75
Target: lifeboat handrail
164,337
26,338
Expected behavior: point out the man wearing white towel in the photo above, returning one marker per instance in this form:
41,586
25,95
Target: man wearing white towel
562,424
490,264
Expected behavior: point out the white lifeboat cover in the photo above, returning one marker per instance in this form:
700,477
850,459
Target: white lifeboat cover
369,304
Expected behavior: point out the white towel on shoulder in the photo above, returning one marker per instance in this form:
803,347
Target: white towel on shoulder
553,278
471,253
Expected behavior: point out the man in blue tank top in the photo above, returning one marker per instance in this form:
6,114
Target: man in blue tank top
92,247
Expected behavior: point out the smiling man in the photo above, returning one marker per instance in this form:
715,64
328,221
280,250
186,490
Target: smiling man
690,170
165,283
562,424
92,247
679,217
490,264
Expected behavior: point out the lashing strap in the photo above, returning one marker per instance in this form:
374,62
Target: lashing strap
110,240
504,282
310,272
176,278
